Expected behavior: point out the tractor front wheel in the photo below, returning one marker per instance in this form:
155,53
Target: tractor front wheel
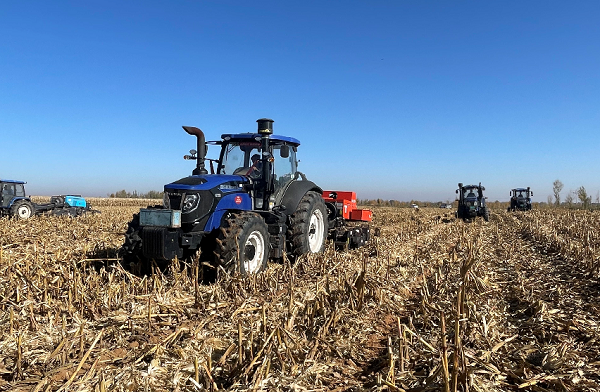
486,214
243,244
131,250
22,209
307,226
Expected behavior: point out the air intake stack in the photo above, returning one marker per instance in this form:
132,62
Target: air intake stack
200,169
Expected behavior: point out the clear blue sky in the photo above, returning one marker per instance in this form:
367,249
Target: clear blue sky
393,99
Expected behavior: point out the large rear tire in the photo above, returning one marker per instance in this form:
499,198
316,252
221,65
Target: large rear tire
22,209
307,226
243,244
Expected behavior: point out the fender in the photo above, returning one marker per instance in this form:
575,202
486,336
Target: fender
295,192
238,201
15,199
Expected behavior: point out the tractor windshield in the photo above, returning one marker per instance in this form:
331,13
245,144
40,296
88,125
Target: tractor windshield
236,157
470,192
243,158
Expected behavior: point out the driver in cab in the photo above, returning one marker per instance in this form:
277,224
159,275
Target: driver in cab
255,170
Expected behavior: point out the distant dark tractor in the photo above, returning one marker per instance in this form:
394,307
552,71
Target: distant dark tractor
471,202
520,199
14,203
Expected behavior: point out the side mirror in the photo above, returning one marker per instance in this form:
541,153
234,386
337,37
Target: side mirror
457,191
284,151
531,193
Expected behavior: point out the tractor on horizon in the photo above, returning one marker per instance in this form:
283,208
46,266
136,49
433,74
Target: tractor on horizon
254,206
520,199
471,202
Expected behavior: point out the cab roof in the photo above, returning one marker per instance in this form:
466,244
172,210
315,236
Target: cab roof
14,181
520,189
250,136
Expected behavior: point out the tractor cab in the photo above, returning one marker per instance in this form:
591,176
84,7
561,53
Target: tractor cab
471,202
270,169
11,191
520,199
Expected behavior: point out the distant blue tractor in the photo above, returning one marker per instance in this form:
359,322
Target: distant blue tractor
254,206
471,202
14,202
520,199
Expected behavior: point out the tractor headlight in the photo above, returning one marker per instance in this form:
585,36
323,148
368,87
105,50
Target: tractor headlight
190,203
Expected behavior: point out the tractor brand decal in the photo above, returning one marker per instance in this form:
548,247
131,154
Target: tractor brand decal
238,200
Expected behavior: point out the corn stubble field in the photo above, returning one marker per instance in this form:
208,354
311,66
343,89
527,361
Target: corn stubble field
431,303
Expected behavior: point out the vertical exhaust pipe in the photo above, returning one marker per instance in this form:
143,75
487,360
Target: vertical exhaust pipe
265,130
201,149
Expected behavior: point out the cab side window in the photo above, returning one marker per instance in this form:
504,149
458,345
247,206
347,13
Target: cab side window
20,190
285,166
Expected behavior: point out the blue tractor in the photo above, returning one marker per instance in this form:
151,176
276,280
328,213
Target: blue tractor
14,203
471,202
520,199
254,205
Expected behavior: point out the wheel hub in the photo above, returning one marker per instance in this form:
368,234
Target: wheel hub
254,252
23,212
316,230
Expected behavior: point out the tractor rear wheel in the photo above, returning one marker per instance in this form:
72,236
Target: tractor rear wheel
307,226
243,244
22,209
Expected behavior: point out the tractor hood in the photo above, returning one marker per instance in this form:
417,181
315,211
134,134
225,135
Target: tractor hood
202,182
198,196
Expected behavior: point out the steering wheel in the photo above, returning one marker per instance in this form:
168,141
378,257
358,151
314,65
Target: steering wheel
241,171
